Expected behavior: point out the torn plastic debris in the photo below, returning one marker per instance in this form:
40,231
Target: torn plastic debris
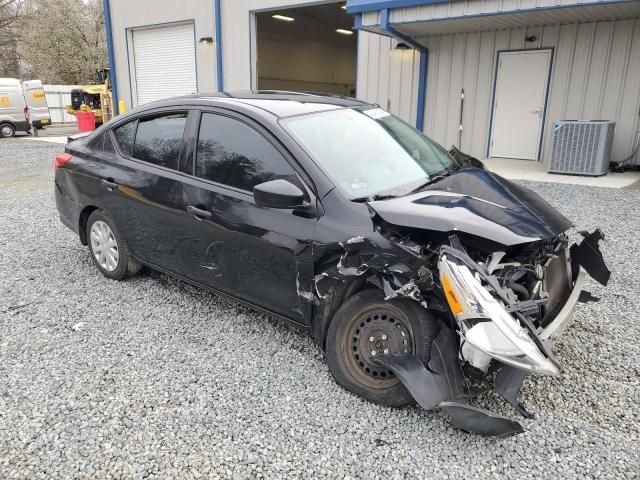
588,255
507,383
442,386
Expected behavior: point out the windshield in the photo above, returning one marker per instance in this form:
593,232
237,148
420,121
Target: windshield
369,152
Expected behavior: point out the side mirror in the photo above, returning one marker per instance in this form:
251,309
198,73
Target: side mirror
278,194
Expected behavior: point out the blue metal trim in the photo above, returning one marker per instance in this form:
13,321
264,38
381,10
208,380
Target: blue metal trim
357,21
218,19
387,29
359,6
546,95
422,88
546,102
112,63
384,19
251,54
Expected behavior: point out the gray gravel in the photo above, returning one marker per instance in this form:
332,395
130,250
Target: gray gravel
154,378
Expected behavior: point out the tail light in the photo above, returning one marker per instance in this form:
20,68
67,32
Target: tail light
62,159
26,114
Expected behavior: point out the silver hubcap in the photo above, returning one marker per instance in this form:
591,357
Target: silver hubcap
6,131
104,246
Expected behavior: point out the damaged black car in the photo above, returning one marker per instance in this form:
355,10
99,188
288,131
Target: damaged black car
422,275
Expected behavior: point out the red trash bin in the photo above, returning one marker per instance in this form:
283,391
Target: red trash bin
86,121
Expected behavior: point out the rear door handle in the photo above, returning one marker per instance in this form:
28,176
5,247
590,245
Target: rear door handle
110,185
198,212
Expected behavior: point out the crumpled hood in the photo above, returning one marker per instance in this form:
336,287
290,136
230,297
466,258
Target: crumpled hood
477,202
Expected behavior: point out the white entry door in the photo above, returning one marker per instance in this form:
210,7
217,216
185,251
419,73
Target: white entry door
164,62
518,110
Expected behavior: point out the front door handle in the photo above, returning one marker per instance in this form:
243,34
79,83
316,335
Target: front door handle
198,212
110,185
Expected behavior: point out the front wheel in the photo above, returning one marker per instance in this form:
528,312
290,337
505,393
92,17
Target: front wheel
107,247
7,130
365,327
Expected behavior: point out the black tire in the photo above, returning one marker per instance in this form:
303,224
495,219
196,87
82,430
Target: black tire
126,266
7,130
367,315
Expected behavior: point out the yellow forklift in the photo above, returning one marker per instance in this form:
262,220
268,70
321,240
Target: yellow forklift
94,98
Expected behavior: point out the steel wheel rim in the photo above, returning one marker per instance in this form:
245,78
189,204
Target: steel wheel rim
364,336
104,246
6,131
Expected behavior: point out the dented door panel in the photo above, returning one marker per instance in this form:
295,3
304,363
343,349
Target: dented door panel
261,255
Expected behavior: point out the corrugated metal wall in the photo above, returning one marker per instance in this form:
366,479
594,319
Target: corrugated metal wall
127,14
595,75
387,76
58,96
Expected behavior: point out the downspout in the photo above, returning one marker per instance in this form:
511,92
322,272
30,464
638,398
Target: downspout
386,27
112,64
218,21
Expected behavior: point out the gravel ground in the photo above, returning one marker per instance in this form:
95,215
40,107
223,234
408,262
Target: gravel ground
154,378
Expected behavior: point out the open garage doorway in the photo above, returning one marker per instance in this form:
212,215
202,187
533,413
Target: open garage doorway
306,49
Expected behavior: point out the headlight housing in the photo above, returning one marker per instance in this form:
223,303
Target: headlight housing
485,323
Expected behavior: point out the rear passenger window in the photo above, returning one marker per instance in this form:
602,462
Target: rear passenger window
124,136
232,153
159,139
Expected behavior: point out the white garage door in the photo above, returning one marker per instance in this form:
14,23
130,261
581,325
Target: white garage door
164,62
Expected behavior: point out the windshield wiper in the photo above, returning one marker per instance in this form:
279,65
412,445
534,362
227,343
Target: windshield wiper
373,198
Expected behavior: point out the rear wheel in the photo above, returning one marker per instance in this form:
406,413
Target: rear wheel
365,327
7,130
107,247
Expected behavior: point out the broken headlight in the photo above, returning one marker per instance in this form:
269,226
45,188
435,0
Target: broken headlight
485,323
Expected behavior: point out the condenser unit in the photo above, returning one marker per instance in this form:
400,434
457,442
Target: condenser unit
581,147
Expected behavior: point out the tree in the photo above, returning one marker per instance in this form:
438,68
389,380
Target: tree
10,14
63,41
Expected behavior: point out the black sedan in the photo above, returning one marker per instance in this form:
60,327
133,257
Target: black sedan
414,268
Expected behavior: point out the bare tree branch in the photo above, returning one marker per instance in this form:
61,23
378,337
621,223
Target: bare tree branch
60,41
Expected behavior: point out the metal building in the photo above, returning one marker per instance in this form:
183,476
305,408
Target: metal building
522,64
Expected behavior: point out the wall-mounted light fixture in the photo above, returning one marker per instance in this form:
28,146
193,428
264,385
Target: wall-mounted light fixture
284,18
344,7
530,39
402,46
344,31
206,40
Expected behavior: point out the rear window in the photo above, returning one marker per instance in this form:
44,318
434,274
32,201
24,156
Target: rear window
124,136
159,139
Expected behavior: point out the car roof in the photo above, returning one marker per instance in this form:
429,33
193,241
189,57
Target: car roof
278,103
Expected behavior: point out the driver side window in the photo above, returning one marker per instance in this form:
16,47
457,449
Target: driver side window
232,153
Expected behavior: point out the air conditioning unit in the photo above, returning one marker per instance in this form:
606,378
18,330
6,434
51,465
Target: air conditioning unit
581,147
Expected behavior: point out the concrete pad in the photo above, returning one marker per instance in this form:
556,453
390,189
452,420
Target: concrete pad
515,169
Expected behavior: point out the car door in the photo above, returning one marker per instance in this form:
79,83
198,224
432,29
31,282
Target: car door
260,255
143,186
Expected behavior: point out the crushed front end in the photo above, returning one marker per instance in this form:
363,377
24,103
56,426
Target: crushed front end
506,309
493,262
